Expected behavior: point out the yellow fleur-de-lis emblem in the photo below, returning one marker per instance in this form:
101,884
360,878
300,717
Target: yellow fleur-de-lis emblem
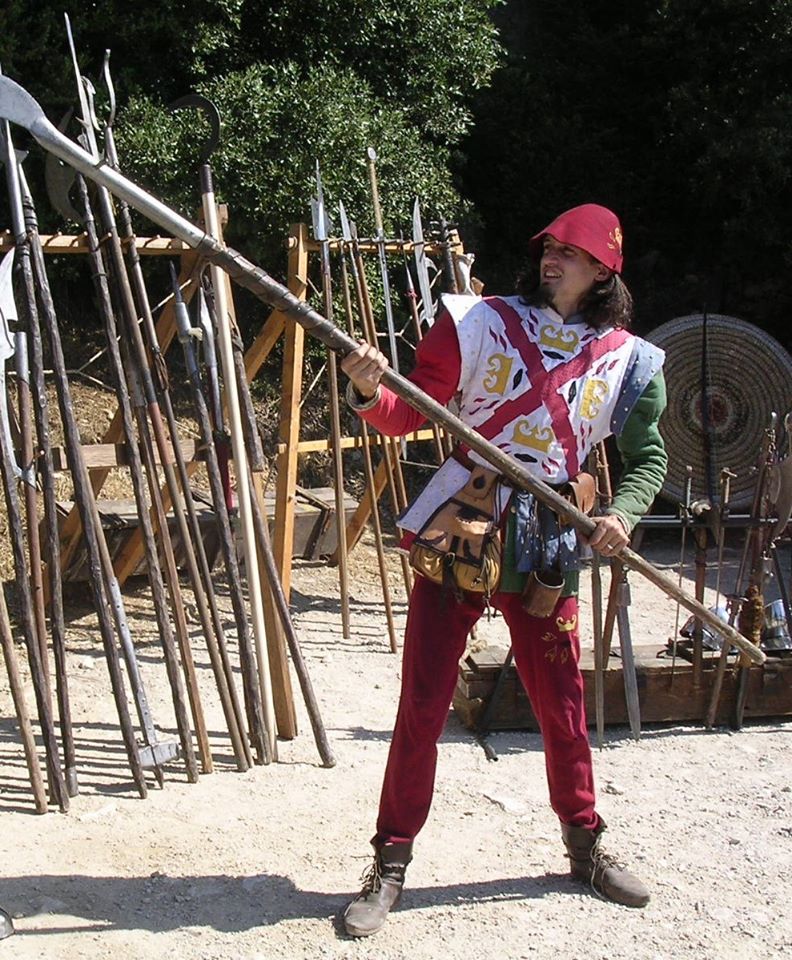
539,438
499,368
549,637
558,338
566,626
595,393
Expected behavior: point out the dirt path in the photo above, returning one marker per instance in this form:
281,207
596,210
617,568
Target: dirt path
258,865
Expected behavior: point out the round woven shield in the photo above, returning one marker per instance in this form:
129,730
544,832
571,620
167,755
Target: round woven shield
745,374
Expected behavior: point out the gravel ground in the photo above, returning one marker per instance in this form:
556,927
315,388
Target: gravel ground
260,864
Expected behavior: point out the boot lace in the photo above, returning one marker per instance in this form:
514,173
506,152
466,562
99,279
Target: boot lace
602,861
371,879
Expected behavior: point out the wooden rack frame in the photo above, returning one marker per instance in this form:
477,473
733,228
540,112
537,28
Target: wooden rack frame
108,453
300,246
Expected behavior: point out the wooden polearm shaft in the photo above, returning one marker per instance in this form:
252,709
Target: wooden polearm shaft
195,553
83,495
390,446
274,587
23,717
135,463
147,413
257,733
369,471
46,475
19,107
321,232
244,492
36,643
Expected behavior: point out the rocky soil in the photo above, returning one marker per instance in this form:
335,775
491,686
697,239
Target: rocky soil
258,866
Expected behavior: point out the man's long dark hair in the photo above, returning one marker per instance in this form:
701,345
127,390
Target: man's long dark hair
608,303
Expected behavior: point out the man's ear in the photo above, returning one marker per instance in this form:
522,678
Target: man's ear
603,273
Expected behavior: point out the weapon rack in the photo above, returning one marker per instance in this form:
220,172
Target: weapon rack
109,453
102,457
290,446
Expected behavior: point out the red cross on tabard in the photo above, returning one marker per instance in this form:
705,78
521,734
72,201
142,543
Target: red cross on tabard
545,384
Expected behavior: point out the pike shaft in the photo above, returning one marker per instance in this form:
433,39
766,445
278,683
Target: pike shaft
27,112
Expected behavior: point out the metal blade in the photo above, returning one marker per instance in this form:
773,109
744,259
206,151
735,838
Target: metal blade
212,115
8,315
421,269
59,179
108,79
8,311
346,229
85,92
321,223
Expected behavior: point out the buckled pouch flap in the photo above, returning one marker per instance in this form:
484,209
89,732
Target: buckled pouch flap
581,491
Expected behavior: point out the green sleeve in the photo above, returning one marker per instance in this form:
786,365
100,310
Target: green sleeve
643,455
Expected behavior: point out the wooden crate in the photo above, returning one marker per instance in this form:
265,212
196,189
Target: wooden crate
662,697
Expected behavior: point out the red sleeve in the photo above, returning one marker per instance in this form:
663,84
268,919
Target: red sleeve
438,364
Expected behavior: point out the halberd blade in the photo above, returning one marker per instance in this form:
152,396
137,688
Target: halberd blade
421,269
17,106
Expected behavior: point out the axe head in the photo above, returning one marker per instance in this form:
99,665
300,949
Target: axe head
156,754
60,178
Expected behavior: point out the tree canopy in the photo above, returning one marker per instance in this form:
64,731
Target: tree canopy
497,113
295,81
676,114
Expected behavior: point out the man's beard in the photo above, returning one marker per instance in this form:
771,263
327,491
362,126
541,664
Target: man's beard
543,296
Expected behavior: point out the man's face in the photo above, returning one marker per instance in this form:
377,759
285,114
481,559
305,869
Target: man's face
566,274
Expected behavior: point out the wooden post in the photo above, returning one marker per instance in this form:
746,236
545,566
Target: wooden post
282,693
289,429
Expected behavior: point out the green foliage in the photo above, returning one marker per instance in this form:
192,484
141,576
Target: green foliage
424,59
278,121
295,82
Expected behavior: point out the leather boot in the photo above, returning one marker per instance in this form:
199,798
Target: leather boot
606,876
6,926
382,889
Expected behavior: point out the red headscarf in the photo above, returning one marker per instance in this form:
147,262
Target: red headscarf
591,227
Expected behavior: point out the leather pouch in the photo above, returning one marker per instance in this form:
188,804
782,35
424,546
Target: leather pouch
460,545
581,492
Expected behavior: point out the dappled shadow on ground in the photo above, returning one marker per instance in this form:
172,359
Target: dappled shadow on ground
224,903
102,763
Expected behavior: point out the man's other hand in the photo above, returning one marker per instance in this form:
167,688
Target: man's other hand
609,536
364,367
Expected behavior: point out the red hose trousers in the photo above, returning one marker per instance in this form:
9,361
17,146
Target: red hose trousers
546,654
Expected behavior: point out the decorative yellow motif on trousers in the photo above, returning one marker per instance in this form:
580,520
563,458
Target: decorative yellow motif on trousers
595,393
558,338
498,371
549,637
557,653
539,438
566,626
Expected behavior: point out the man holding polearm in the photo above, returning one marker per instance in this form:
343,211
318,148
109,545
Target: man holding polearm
545,376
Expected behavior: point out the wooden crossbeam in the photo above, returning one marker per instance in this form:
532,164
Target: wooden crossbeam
62,243
106,456
356,443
